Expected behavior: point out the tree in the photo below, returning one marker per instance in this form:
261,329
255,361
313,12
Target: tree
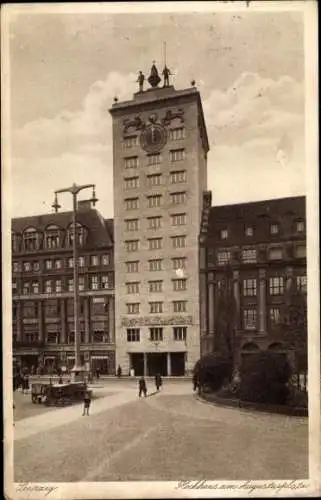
294,326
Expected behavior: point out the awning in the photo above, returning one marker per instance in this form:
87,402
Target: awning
99,357
50,357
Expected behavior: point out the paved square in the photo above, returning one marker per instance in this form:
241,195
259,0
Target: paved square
167,436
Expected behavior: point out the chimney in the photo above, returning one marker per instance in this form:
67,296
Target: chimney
84,205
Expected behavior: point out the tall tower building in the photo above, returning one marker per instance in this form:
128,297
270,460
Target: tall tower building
160,148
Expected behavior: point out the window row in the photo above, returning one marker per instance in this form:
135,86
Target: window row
91,260
276,285
93,282
249,256
156,334
155,158
275,228
155,243
155,200
174,134
53,237
250,317
54,337
175,177
52,308
156,222
156,264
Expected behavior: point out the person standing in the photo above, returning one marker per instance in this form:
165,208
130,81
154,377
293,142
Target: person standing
119,371
142,387
87,401
158,381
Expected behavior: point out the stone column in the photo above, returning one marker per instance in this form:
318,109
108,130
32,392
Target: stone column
41,326
19,320
202,299
145,364
87,320
262,301
63,320
211,305
236,294
111,318
169,364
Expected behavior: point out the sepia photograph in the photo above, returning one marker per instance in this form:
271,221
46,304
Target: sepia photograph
160,244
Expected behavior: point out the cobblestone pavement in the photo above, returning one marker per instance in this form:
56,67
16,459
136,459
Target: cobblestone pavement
167,436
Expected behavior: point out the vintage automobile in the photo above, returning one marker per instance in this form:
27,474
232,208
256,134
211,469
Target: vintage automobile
58,394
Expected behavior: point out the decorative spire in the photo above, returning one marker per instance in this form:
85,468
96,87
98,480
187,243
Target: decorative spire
154,78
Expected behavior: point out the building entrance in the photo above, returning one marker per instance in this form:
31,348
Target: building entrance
157,363
178,364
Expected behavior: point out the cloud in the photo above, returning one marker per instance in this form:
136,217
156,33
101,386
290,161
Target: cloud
256,133
255,128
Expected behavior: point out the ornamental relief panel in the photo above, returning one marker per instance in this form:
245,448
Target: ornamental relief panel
157,321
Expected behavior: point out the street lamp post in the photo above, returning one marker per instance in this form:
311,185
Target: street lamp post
78,370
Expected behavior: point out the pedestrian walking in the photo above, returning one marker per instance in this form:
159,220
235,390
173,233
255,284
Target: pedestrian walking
97,373
142,387
14,407
195,382
158,381
87,401
119,371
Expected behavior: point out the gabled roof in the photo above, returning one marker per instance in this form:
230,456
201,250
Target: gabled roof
98,234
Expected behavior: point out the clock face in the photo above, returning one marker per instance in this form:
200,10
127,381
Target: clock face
153,138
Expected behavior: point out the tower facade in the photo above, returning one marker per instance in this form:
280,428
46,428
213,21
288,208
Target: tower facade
160,150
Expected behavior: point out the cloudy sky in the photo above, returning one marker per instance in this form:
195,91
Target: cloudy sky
65,70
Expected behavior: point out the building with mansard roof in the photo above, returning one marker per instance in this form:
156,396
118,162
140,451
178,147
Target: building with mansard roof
42,290
259,248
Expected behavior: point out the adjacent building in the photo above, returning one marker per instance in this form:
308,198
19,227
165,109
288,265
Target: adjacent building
260,248
160,151
42,289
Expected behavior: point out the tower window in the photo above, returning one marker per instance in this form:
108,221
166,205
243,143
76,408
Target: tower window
179,241
132,224
154,243
178,176
130,141
178,219
132,203
179,306
154,222
132,246
178,198
132,287
131,162
177,155
155,265
155,286
133,308
180,333
154,159
177,133
154,180
156,334
179,285
131,182
133,334
132,267
154,201
156,307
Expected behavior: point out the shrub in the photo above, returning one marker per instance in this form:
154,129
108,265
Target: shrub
213,370
264,378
